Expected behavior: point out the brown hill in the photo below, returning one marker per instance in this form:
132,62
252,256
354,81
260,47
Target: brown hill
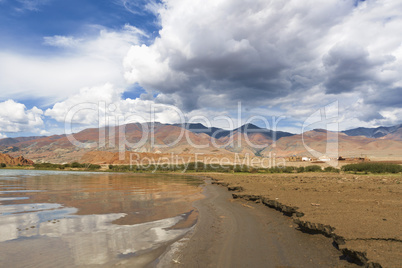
20,160
131,137
324,142
397,135
251,143
11,141
378,132
101,145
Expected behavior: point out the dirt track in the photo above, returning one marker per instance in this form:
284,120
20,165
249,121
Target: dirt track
237,233
362,214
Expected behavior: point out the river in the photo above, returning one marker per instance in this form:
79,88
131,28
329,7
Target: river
81,219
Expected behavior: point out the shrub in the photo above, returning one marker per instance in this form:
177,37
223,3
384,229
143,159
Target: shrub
2,165
237,168
373,168
122,168
300,169
289,169
331,169
93,167
281,170
313,168
76,165
275,170
48,166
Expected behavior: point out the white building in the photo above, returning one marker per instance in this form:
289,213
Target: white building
324,158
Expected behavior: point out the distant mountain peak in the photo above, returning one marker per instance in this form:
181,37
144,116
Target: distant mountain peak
377,132
250,126
320,130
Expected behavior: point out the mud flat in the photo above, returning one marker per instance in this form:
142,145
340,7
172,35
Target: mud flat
360,214
239,233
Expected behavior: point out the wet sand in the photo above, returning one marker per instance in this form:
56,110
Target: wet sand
236,233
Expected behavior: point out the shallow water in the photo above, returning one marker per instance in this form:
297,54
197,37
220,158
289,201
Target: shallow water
64,219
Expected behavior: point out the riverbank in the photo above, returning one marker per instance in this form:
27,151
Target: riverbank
361,214
236,233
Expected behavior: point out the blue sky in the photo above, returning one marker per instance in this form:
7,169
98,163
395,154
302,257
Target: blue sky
24,23
201,58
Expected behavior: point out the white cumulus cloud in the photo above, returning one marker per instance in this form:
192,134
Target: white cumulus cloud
103,105
15,117
89,61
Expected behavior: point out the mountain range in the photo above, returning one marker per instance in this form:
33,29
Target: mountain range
394,132
101,145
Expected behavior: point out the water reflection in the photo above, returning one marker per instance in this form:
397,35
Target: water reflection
101,219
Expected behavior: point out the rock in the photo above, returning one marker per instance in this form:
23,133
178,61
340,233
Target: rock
20,160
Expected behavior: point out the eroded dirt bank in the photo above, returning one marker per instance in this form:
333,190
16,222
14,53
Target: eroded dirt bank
238,233
362,214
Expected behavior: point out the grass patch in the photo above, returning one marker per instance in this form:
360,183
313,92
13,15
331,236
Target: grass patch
373,168
76,165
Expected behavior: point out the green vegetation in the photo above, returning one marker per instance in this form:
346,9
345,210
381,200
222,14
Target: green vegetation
191,167
201,167
2,165
74,165
373,168
365,168
300,169
331,169
313,168
281,170
187,167
316,168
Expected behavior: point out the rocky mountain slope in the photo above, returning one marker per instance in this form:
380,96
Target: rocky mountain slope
11,141
20,160
332,143
394,132
163,139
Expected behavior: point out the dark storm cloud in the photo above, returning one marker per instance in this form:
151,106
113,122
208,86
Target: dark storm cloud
215,54
350,67
347,68
386,98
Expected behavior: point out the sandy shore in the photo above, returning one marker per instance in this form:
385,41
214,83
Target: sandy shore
360,213
237,233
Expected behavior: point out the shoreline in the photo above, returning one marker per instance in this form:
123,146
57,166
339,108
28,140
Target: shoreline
360,214
237,233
